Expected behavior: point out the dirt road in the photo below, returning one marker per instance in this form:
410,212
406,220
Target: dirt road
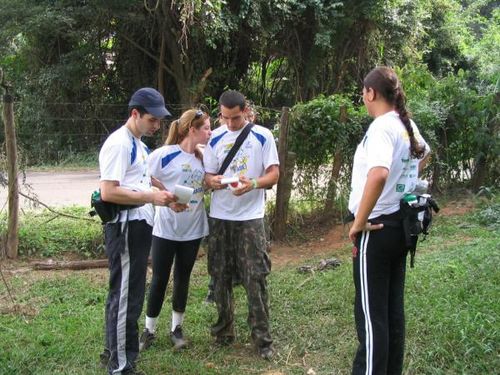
57,189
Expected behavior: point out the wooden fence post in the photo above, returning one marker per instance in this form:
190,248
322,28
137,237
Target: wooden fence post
12,238
285,181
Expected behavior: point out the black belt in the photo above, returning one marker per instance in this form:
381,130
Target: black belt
394,220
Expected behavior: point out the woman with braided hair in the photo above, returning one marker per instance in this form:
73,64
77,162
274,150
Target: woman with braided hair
386,167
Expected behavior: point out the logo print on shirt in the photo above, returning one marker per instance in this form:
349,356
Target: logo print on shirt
194,179
239,166
227,148
186,168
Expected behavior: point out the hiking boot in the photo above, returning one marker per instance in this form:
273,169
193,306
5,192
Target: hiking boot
266,352
177,338
146,340
104,358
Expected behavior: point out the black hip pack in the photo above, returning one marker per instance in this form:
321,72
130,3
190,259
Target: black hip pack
416,214
106,211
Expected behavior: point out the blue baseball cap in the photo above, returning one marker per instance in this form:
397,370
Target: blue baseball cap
151,100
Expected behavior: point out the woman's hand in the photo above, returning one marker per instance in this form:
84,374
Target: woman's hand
360,227
214,182
178,207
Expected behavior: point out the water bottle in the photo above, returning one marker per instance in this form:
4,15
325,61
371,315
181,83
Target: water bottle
411,199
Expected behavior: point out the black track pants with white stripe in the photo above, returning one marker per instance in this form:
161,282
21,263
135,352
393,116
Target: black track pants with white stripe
127,252
379,263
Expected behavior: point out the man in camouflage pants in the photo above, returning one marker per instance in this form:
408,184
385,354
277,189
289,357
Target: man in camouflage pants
237,241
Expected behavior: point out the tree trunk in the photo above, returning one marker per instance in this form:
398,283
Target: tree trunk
12,238
284,182
161,62
486,155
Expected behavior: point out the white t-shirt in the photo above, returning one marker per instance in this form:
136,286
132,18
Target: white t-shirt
123,158
257,153
385,144
172,166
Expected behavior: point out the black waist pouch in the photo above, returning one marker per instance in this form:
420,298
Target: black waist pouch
413,225
106,211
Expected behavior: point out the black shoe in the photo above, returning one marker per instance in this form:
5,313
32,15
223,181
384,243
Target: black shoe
104,358
177,338
146,340
133,371
266,352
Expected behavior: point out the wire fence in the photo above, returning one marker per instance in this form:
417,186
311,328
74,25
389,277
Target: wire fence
53,131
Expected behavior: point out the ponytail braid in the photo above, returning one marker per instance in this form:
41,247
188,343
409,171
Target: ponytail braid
416,151
385,82
173,133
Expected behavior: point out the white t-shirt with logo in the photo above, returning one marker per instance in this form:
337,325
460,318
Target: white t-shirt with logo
123,158
385,144
257,153
172,166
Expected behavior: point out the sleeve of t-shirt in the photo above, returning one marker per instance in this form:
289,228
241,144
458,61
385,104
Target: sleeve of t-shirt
269,151
210,161
154,163
379,147
113,162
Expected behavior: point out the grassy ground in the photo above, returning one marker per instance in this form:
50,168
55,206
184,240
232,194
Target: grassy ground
43,233
71,162
452,307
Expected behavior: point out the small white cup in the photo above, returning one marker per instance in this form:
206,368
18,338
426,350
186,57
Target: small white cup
232,182
183,193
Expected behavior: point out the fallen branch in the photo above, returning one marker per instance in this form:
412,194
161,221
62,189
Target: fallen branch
70,265
77,264
37,201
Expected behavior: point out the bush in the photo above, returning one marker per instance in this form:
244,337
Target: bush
317,135
44,233
489,216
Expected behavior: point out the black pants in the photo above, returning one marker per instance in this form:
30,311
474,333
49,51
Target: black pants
164,253
379,264
127,248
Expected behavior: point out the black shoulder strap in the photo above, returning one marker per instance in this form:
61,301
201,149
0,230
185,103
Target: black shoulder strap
229,157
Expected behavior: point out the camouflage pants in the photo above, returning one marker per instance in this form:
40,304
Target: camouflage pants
240,246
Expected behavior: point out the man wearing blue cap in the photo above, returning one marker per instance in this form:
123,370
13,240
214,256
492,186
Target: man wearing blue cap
125,180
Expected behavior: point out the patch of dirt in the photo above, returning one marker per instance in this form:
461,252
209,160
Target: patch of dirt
325,243
19,309
457,208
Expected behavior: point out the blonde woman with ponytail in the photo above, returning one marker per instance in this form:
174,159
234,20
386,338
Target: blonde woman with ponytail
386,166
179,228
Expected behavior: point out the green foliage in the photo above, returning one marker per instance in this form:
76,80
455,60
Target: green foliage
321,135
458,119
489,215
73,64
317,130
45,233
